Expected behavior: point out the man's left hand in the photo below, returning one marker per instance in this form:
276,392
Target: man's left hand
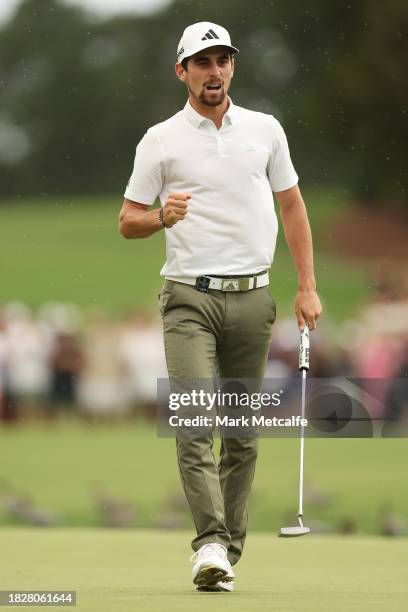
307,308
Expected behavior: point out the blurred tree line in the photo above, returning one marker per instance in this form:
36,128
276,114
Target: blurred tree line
77,94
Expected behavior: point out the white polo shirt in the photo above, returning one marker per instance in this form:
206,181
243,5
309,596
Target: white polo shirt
231,225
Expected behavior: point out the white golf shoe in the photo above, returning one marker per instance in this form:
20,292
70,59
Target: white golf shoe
211,567
219,587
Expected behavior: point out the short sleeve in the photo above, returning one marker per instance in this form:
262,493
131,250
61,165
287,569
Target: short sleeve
146,181
281,173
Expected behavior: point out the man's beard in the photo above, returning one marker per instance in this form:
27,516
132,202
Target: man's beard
210,101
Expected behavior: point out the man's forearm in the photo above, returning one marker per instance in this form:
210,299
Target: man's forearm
299,238
135,223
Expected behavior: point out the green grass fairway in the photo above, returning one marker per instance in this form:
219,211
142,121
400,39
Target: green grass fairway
149,571
70,250
60,465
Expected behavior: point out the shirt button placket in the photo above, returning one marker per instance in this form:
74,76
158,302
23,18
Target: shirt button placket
218,140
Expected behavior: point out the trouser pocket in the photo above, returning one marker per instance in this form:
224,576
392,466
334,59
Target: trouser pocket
164,295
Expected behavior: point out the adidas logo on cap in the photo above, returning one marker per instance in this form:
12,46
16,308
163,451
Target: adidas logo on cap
210,35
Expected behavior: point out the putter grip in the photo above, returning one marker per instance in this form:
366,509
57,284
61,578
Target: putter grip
304,349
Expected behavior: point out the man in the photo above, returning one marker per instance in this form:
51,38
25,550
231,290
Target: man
214,166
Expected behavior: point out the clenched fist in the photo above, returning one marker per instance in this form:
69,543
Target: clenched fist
175,208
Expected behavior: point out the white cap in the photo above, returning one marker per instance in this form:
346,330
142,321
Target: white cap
200,36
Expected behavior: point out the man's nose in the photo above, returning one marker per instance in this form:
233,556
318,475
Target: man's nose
215,69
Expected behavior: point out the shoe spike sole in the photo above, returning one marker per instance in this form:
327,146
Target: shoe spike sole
208,576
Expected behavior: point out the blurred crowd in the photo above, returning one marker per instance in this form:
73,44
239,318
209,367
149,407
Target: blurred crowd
64,360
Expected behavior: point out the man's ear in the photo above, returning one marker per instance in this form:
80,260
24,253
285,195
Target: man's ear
180,72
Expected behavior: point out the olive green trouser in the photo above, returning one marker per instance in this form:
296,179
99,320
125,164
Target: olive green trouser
227,333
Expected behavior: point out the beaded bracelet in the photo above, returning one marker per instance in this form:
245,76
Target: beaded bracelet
161,219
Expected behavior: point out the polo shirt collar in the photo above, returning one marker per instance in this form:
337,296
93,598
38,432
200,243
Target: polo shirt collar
196,119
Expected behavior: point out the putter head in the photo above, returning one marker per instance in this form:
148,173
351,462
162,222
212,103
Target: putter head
293,532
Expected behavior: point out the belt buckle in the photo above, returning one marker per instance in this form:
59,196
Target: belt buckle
244,284
202,284
230,284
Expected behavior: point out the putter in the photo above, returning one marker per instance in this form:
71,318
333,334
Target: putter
300,529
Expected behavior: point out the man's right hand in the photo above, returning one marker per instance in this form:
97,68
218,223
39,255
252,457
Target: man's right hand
175,208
